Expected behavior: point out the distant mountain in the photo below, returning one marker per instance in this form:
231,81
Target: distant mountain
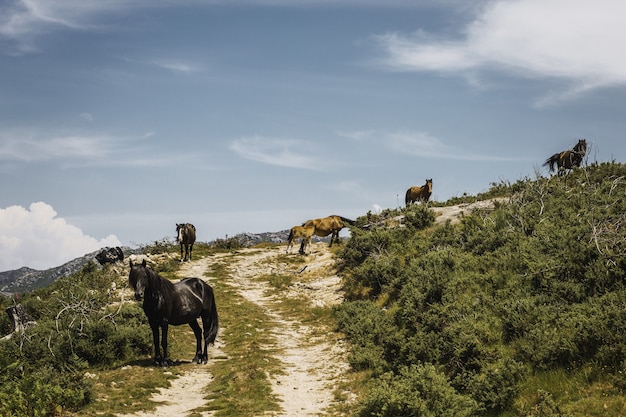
27,279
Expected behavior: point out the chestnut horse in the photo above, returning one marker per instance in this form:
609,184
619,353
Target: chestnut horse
567,159
186,237
330,225
304,232
422,193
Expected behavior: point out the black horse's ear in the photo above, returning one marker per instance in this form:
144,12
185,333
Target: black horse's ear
130,262
144,263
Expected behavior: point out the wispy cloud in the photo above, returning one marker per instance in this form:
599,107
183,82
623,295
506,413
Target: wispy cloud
420,144
578,42
79,149
173,66
290,153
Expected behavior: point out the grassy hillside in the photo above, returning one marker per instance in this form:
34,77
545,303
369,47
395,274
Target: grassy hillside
516,311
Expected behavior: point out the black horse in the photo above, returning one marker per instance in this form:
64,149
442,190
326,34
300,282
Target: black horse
567,159
167,303
186,233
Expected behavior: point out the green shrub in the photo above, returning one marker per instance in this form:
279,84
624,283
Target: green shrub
418,391
41,369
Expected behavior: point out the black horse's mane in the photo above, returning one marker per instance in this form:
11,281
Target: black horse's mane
158,284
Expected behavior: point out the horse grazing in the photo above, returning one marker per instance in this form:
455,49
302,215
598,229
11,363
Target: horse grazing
186,237
325,226
167,303
422,193
567,159
304,232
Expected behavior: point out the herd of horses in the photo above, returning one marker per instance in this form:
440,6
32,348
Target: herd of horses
166,303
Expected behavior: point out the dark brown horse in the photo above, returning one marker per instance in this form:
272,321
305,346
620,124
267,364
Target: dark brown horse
330,225
567,159
186,237
167,303
304,232
422,193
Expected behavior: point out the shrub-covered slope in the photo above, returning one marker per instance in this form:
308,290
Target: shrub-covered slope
516,311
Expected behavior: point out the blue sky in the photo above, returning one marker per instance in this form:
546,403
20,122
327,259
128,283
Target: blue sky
119,119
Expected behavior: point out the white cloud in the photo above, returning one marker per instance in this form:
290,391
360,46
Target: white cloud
576,41
86,116
289,153
37,238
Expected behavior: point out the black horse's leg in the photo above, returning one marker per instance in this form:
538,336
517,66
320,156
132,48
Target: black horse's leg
206,326
181,252
165,361
155,338
190,249
197,331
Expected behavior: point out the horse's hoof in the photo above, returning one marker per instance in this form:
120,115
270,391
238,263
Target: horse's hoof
162,362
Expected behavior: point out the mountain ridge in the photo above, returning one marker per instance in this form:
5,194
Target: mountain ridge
26,279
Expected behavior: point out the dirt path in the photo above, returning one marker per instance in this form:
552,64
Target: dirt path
454,213
311,364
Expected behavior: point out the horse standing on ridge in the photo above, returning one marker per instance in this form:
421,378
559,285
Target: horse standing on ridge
186,237
422,193
167,303
330,225
567,159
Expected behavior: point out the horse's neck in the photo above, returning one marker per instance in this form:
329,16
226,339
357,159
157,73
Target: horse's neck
158,284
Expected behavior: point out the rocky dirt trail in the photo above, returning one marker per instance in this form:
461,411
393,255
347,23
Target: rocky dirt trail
313,364
454,213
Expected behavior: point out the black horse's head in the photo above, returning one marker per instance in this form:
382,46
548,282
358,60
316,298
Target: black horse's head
186,233
581,147
429,185
138,279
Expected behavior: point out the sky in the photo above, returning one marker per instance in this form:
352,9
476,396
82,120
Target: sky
119,119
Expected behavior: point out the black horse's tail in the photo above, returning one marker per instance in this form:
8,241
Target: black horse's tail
213,321
550,162
290,238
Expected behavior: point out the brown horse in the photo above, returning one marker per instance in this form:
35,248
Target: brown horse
567,159
422,193
186,237
330,225
304,232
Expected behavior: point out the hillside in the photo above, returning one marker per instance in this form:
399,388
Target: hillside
515,311
511,303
